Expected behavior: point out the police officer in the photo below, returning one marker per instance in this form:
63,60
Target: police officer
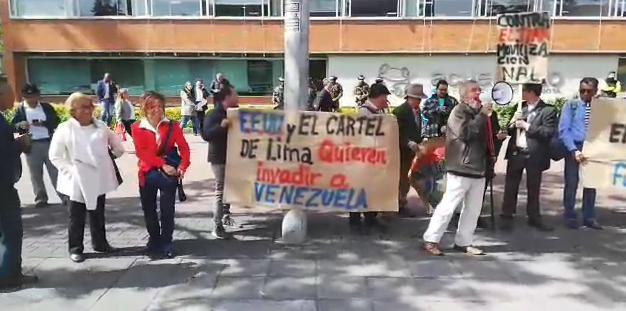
361,91
278,96
336,91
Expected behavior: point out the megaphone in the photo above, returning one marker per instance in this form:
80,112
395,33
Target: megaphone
502,93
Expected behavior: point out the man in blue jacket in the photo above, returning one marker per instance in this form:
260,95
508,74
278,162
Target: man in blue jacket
573,127
106,91
11,230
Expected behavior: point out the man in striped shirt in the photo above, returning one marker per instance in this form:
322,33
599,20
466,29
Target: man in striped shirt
573,126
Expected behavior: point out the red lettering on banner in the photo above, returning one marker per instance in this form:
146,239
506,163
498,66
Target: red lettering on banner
524,35
339,181
299,177
330,152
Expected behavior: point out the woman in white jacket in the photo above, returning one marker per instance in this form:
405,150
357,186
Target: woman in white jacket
81,149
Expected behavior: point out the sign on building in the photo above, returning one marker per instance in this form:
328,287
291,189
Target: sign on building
522,50
312,160
605,146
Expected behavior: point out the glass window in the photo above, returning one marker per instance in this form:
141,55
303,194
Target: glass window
260,76
171,74
102,7
495,7
584,8
447,7
374,8
127,73
177,8
276,7
139,8
49,75
411,8
323,8
253,8
548,6
38,8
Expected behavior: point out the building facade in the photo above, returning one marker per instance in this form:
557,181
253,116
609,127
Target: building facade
67,45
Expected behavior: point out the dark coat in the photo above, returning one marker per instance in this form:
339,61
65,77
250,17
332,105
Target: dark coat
11,167
538,136
324,101
466,142
101,90
215,135
52,119
408,128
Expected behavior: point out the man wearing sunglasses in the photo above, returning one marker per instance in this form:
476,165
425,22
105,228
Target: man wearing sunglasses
573,127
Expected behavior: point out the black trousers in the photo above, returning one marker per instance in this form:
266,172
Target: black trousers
127,124
200,114
514,169
76,232
160,233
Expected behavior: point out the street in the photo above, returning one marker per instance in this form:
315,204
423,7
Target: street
334,270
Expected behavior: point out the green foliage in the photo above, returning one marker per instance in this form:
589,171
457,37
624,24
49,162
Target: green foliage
505,113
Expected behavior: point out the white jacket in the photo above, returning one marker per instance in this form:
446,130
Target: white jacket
81,154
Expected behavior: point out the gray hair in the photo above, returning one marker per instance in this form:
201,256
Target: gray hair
464,87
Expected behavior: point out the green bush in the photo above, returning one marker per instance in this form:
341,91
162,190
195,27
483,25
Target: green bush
505,113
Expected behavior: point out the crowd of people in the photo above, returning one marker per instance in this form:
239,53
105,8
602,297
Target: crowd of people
440,138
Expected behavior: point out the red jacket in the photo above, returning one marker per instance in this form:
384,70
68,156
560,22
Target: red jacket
146,146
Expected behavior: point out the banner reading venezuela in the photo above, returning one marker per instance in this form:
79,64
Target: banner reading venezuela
312,160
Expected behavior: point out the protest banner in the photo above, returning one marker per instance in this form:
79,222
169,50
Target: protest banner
312,160
605,146
522,50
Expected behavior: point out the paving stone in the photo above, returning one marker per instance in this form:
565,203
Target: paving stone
244,267
266,305
404,304
340,287
292,267
291,288
344,305
238,288
439,268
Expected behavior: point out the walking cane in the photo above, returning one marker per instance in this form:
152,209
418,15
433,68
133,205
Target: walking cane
493,213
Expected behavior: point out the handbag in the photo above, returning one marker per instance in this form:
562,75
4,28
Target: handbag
120,180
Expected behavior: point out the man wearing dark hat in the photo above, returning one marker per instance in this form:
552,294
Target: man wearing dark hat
361,91
336,91
278,96
11,230
379,80
375,104
40,120
410,129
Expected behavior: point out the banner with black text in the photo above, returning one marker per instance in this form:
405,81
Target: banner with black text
312,160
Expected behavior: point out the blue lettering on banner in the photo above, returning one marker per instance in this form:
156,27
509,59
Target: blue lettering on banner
310,197
617,175
251,121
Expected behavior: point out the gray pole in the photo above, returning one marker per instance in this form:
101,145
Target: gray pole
296,76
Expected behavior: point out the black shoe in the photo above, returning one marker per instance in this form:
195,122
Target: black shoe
592,224
18,281
539,225
506,224
219,232
77,258
375,224
42,205
405,212
107,249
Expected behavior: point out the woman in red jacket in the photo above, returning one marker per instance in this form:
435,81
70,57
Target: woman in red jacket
163,156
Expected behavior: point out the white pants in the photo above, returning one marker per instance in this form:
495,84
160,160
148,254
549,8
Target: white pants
468,191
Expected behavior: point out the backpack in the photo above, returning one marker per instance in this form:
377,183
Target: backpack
558,151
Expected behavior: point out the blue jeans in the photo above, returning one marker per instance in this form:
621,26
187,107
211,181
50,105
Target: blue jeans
107,111
569,193
160,233
194,122
11,232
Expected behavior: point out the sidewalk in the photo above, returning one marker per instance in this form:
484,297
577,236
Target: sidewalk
526,270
